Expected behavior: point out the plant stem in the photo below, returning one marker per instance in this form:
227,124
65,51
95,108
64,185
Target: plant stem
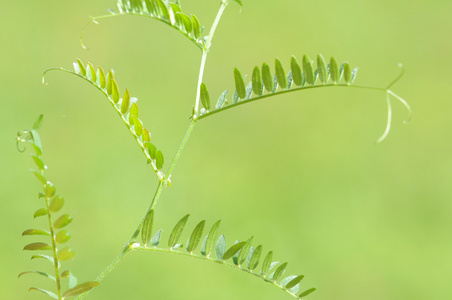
205,51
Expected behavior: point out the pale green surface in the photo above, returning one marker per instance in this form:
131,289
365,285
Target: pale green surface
299,172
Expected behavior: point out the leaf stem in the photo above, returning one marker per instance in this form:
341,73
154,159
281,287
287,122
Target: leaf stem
205,51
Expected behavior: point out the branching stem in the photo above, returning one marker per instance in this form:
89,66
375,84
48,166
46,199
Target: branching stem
205,51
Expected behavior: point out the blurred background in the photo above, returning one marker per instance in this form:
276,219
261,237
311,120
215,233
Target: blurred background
300,172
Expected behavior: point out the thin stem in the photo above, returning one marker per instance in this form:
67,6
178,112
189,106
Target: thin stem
205,51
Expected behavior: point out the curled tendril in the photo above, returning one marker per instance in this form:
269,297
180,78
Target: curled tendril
23,137
402,72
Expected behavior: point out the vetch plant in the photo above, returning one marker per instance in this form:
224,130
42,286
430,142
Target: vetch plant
204,243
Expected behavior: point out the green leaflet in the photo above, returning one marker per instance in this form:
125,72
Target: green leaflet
322,69
146,231
254,260
347,73
37,124
152,150
159,160
354,73
52,295
133,113
146,135
177,231
266,263
62,221
37,246
296,71
307,292
49,190
267,77
196,27
110,80
35,232
39,273
155,241
308,72
186,22
205,98
150,6
221,100
92,72
334,70
294,281
40,212
239,83
65,254
220,247
208,244
81,68
233,250
62,236
80,289
102,80
40,177
114,92
38,162
138,126
280,74
125,101
163,9
244,252
56,203
195,237
279,271
46,257
257,81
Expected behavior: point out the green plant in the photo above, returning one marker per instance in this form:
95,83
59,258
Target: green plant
241,255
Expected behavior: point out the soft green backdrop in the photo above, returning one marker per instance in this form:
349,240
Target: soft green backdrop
300,172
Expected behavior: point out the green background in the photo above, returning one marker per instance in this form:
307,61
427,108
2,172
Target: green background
300,172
